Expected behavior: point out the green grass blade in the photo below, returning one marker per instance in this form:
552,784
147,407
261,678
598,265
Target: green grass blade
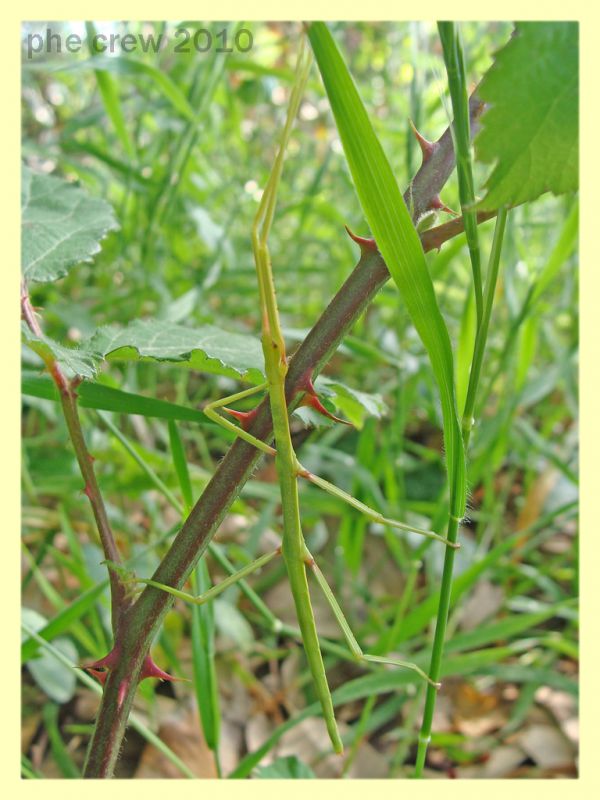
378,683
141,461
396,238
563,248
61,755
418,619
28,771
110,97
181,467
457,83
506,628
136,68
105,398
203,661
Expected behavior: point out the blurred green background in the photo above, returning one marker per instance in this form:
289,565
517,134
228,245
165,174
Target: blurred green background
180,144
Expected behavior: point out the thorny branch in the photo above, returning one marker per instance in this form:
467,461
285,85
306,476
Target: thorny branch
139,623
67,390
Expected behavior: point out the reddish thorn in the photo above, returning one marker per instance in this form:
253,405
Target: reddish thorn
91,458
427,148
109,661
245,418
313,401
362,242
152,670
102,667
436,204
99,674
87,490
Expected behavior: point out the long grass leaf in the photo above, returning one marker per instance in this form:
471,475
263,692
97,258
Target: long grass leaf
181,467
396,238
110,97
203,661
60,752
461,134
105,398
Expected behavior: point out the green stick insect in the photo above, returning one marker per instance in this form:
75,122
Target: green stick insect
295,553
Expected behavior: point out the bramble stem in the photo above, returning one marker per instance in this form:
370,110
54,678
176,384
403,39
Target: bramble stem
144,618
68,400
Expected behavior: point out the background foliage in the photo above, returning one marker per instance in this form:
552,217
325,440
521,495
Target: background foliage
179,146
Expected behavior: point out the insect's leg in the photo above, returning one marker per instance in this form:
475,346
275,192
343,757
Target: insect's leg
369,512
214,591
211,412
354,646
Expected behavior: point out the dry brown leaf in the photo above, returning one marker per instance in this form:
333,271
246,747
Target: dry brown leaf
546,745
536,497
563,707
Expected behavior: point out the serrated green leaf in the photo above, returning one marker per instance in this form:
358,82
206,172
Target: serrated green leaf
207,348
354,404
75,361
531,128
61,225
212,349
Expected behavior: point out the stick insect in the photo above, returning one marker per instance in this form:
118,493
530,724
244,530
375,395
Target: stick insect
293,548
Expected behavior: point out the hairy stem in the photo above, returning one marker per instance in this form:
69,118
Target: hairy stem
68,399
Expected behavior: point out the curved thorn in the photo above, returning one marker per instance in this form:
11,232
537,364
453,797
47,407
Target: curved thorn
427,148
364,243
437,204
